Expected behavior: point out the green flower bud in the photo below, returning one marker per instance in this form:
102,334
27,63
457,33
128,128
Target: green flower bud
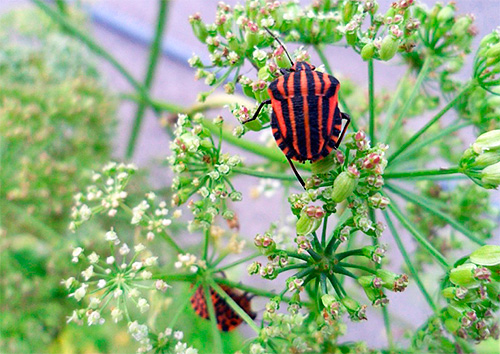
344,185
445,14
199,28
461,26
254,125
448,293
281,58
323,165
355,310
490,176
494,52
264,74
254,268
452,325
488,255
486,159
388,48
328,300
489,140
310,220
350,9
368,51
463,275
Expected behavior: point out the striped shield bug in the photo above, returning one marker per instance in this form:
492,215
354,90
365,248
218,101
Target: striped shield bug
227,318
306,120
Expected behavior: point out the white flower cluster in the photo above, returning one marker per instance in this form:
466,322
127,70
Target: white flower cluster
190,262
114,281
156,221
107,197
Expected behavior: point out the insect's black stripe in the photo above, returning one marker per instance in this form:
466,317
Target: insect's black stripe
298,110
312,102
333,87
336,119
326,110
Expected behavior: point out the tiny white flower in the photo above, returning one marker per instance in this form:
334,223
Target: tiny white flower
74,318
101,283
151,261
166,222
136,266
93,258
143,305
95,318
178,265
80,292
193,269
110,260
112,237
88,273
150,236
110,181
76,253
139,248
177,214
112,213
94,302
117,293
134,293
168,332
178,335
124,250
116,315
146,275
161,285
68,282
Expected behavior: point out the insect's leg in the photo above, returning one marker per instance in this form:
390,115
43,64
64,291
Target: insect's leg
299,178
346,117
256,114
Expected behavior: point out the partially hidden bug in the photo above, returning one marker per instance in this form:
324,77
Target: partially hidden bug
306,120
227,319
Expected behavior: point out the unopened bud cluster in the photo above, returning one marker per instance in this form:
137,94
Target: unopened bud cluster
473,296
487,61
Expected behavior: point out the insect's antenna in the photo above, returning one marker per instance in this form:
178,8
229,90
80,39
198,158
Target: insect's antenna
280,43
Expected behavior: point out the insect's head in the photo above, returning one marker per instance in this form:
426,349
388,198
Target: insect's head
302,65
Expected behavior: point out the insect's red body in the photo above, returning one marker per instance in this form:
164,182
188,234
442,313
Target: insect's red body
306,120
227,319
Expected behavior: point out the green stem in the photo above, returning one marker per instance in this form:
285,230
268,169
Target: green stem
148,80
427,204
408,261
416,89
92,45
371,102
336,285
342,255
206,240
418,236
238,262
328,69
247,288
357,266
323,231
387,325
430,123
392,108
61,5
411,174
218,348
427,142
156,104
183,305
188,277
263,174
236,308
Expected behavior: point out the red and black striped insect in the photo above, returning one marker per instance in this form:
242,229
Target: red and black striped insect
227,319
306,120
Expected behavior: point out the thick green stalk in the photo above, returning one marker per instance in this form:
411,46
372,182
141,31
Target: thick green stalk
329,70
188,277
154,53
238,262
430,123
427,204
371,102
264,174
418,236
416,89
408,261
183,305
91,44
236,308
427,142
218,348
392,107
357,266
206,241
247,288
412,174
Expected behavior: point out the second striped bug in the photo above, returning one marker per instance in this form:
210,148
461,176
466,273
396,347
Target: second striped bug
306,120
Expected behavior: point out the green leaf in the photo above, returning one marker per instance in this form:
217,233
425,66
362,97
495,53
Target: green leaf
488,255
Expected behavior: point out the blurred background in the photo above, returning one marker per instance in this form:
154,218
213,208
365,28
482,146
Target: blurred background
125,29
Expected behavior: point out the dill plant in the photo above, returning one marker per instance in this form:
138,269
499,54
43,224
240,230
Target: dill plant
332,258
